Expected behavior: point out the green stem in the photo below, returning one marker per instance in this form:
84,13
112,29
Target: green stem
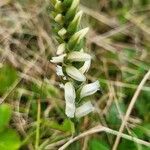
38,126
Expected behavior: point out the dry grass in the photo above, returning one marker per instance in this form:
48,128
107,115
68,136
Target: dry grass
120,51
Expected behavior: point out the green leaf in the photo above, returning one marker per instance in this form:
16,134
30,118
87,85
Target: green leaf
143,105
5,114
8,75
125,144
96,144
113,117
66,126
9,140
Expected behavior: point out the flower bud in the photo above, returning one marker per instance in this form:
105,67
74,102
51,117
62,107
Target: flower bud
75,23
77,37
67,3
58,59
84,109
58,5
89,89
61,49
62,32
72,9
59,18
75,73
78,56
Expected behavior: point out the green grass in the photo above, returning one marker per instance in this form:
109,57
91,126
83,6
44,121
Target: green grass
32,112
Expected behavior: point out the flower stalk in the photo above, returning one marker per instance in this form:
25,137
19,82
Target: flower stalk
72,63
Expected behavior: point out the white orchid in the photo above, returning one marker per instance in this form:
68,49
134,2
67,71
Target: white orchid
84,109
75,73
73,61
70,97
89,89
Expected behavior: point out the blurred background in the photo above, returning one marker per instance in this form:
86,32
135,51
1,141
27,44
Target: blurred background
32,103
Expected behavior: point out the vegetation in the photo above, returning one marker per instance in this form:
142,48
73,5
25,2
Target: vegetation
32,104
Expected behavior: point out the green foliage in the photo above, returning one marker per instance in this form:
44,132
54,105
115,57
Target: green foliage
143,106
98,144
120,24
9,138
66,126
8,75
113,117
5,115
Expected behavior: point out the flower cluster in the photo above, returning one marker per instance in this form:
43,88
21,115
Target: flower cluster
72,62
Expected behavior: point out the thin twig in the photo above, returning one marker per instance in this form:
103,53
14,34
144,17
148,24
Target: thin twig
129,110
100,128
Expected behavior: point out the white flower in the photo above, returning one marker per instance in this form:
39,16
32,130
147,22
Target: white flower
75,73
58,59
84,109
61,49
86,66
70,97
89,89
78,56
70,110
59,71
62,32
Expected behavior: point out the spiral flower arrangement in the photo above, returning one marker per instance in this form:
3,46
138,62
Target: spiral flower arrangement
72,63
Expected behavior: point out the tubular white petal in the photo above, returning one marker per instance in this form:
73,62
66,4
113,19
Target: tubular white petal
59,71
61,49
70,99
70,110
58,59
86,66
84,109
90,89
70,94
75,74
78,56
